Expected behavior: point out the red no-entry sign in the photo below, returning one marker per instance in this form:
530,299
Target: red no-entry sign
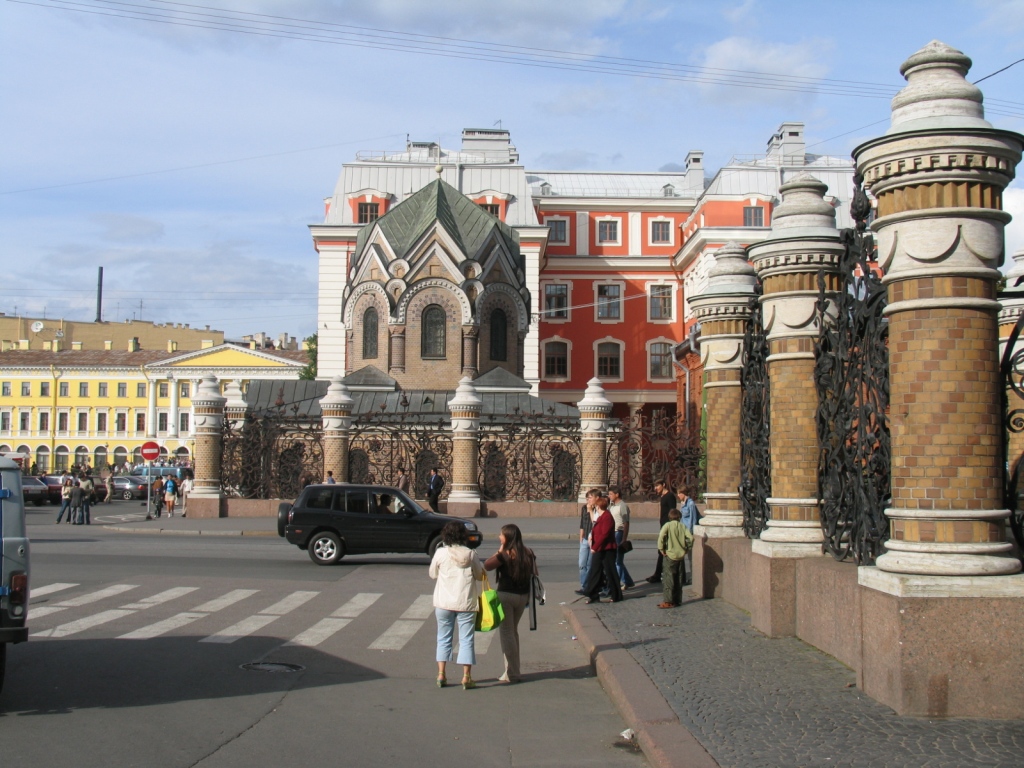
150,451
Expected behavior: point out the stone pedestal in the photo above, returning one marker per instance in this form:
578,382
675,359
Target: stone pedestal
938,176
594,411
397,349
208,411
470,350
723,311
464,496
336,411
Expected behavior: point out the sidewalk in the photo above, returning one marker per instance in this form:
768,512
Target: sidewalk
751,701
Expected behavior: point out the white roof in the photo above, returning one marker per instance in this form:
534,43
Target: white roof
609,184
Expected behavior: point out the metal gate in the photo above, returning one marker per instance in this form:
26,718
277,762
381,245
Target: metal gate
651,447
755,424
530,457
272,455
382,442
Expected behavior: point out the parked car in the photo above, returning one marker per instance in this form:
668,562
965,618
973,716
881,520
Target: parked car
331,521
99,489
128,487
33,489
53,484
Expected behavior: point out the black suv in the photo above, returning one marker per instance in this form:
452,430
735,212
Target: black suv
331,521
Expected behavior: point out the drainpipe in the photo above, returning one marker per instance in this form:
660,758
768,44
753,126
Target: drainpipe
53,417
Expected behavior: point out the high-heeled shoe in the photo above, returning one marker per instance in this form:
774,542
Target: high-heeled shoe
468,683
442,681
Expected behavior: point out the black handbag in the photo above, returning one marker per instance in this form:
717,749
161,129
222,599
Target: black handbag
626,546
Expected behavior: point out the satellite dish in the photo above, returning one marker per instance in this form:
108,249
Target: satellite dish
59,334
37,326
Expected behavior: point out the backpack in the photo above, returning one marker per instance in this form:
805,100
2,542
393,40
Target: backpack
170,486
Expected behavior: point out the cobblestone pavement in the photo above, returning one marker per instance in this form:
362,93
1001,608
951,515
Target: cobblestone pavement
752,701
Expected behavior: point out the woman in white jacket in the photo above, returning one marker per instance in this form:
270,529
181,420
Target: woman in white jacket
456,599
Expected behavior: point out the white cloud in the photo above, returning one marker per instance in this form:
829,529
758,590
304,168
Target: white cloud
127,228
804,59
737,14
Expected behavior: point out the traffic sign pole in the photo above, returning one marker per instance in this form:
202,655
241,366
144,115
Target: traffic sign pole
149,451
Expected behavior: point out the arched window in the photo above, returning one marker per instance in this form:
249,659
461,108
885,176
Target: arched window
499,335
432,343
370,334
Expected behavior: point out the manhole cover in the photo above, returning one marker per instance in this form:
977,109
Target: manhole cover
272,666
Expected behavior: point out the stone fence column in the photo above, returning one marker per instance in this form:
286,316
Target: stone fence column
803,242
723,310
465,409
470,350
938,175
235,406
595,408
208,409
336,412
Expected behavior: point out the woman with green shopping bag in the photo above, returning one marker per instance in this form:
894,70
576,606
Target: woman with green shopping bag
516,566
457,570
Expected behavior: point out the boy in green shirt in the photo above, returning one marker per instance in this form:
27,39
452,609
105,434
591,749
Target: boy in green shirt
674,542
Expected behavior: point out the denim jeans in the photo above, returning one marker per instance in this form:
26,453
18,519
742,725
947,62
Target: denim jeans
620,566
584,562
446,634
65,504
83,514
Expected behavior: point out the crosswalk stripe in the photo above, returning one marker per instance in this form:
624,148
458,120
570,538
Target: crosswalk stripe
319,632
242,629
162,597
421,609
75,602
80,625
49,589
289,604
46,610
225,600
396,636
162,627
356,605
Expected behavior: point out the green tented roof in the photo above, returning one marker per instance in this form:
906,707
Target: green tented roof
467,223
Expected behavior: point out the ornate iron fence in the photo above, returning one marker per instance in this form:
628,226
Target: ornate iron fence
852,379
270,455
646,448
1012,367
382,442
531,457
755,424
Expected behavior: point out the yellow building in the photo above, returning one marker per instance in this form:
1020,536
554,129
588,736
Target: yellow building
52,335
99,406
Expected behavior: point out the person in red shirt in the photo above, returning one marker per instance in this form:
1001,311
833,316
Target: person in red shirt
602,558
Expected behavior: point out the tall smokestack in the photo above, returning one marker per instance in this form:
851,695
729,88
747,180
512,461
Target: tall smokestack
99,297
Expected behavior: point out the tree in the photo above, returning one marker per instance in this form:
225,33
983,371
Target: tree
308,373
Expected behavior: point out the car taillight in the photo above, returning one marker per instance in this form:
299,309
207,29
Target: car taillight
19,588
291,516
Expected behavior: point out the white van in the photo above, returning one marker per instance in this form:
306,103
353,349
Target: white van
13,561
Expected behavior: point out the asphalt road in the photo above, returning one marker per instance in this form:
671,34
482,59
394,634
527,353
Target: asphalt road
138,644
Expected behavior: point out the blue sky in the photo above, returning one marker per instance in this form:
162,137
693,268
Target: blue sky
188,162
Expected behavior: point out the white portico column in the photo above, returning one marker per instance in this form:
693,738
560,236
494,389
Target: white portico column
151,408
803,244
595,409
172,415
723,310
465,409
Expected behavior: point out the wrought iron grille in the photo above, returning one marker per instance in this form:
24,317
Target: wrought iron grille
650,447
852,379
1012,367
270,455
755,424
532,457
382,442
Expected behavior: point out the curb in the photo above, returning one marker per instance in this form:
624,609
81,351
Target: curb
665,741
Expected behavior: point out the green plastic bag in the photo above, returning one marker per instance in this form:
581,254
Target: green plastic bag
491,614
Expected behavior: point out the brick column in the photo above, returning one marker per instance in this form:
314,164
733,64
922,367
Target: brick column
594,411
397,349
208,419
938,176
470,350
723,310
465,409
803,242
336,411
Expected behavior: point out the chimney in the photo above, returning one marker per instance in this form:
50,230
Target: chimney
787,146
206,344
23,344
76,346
108,345
172,346
133,344
695,169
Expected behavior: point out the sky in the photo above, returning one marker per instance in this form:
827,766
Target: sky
189,161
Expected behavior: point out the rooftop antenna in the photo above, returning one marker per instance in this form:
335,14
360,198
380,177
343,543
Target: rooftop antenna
498,124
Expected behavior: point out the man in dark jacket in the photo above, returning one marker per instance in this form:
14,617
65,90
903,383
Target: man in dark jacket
434,490
602,554
668,503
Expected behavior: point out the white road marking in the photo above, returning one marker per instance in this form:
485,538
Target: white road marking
356,605
423,608
161,597
247,626
80,625
319,632
225,600
75,602
397,635
49,589
46,610
183,619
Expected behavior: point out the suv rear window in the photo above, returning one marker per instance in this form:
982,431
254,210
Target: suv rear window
319,499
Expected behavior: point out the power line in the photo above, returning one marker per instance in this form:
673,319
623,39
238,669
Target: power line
986,77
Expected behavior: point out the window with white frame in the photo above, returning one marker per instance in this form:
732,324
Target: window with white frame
368,212
121,422
101,422
44,422
661,232
183,423
162,389
556,360
140,390
609,301
5,421
753,216
184,389
559,234
23,421
44,389
63,419
26,389
660,356
83,421
5,389
102,387
556,301
609,360
161,422
659,302
122,389
607,231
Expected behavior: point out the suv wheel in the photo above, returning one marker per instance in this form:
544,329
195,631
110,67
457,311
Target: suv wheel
325,548
432,546
282,516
